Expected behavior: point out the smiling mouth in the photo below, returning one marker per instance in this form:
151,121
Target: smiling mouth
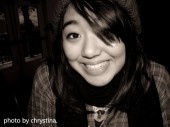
96,69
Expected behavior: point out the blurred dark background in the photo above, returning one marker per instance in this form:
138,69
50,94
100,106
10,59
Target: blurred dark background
156,26
26,36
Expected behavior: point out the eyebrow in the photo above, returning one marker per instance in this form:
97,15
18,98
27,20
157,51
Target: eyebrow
69,22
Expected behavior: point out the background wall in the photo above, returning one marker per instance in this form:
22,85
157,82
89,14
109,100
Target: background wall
156,26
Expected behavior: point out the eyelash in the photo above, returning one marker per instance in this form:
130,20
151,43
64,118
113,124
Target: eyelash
73,36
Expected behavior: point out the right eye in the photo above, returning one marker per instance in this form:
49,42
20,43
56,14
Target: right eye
73,36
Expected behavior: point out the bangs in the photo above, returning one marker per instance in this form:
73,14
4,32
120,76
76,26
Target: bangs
105,17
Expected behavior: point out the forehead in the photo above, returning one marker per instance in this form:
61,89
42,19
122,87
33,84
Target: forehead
71,14
73,18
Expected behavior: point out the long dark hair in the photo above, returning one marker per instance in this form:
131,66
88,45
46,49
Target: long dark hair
135,78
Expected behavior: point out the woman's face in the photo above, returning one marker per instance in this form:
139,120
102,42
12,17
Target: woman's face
87,54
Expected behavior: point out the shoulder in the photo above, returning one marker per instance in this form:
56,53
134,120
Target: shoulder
42,100
42,74
162,81
160,73
42,81
42,71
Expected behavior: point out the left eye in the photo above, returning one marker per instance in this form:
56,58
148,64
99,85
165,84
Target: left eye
73,36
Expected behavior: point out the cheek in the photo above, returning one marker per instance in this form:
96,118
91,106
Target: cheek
72,52
117,51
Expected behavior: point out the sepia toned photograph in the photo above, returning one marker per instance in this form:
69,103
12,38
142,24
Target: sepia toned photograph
84,63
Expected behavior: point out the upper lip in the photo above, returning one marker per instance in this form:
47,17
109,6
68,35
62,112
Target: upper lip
93,62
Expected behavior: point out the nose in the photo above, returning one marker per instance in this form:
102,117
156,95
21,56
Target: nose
91,46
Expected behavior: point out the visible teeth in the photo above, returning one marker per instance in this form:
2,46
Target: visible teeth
97,66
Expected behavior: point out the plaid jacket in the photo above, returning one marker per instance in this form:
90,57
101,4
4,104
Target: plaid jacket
41,108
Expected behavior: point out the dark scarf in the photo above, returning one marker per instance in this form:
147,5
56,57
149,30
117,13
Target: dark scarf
97,96
145,113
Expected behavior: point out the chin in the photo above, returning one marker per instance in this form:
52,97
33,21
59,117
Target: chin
99,82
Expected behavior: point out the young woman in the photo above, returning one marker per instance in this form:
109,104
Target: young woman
99,75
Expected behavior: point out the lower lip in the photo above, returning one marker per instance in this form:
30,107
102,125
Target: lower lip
96,69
